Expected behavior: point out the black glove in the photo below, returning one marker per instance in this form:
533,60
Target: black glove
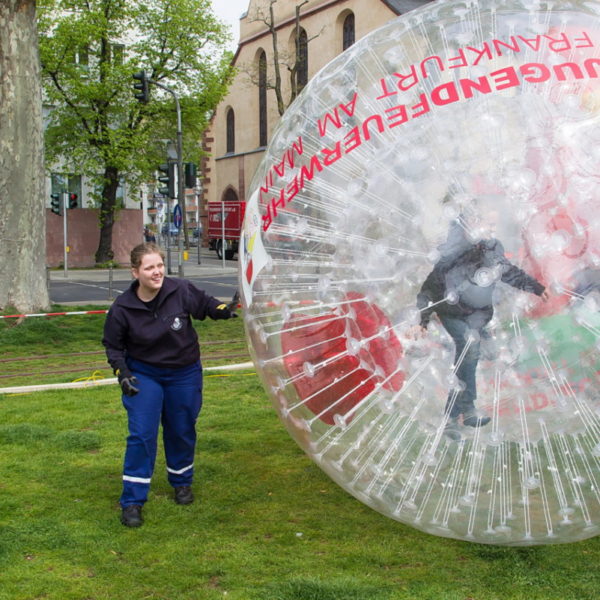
127,381
232,306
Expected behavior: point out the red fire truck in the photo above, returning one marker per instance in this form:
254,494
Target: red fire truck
225,221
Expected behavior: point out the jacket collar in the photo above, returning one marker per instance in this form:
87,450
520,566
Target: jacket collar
129,299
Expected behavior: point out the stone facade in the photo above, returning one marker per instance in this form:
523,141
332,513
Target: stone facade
227,172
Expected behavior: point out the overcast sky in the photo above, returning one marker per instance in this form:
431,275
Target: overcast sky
230,11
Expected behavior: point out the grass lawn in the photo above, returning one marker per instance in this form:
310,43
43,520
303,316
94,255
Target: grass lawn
267,523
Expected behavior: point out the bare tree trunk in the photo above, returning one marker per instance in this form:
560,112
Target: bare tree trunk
107,215
22,202
277,86
297,57
280,58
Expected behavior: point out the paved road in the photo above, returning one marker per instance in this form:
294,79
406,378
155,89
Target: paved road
100,286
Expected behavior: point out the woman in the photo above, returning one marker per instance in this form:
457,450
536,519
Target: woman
153,348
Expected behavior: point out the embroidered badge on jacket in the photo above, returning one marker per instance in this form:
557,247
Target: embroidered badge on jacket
177,324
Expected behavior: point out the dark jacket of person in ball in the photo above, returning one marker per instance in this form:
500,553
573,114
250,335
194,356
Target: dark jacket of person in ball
460,290
466,275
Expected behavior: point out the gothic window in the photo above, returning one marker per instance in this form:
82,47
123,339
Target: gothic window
230,131
262,99
230,195
302,70
348,32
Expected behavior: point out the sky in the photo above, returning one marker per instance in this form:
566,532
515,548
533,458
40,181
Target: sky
230,11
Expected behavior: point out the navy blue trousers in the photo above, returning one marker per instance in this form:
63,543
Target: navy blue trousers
173,398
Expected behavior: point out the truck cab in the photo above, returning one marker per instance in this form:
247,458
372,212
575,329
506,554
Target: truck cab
225,220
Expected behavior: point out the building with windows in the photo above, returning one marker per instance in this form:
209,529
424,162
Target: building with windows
245,119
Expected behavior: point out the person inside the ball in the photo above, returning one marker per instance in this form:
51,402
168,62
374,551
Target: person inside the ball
459,290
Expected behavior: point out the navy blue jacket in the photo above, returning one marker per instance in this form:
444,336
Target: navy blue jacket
163,337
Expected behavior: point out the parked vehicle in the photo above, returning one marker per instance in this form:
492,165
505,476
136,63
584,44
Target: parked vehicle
170,230
224,235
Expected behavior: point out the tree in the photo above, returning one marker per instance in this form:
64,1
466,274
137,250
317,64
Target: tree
90,49
22,203
281,59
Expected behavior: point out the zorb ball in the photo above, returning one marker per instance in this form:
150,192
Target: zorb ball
420,270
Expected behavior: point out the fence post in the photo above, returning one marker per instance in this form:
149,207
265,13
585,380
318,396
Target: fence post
110,283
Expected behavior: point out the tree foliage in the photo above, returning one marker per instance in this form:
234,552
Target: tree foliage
89,51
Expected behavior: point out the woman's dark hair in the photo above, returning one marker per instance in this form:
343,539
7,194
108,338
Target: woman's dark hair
141,250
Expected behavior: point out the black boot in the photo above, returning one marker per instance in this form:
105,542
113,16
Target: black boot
184,495
131,516
452,430
473,419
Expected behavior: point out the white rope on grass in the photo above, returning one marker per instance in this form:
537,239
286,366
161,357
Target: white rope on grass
88,383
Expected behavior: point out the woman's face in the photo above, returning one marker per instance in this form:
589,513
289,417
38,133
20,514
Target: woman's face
150,273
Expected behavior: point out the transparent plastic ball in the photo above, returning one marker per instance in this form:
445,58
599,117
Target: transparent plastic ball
420,270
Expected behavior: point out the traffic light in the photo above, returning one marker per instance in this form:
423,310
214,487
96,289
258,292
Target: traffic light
55,203
72,200
190,175
143,86
169,179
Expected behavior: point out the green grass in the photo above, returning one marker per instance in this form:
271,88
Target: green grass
267,523
67,348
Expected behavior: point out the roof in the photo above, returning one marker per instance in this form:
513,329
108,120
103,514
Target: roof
402,6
